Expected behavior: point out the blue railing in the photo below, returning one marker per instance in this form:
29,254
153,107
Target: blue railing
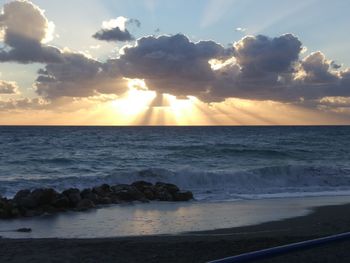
282,250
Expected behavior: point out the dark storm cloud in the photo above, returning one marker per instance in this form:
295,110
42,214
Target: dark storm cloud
25,28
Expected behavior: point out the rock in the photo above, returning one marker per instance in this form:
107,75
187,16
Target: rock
103,190
164,195
22,194
183,196
24,230
4,213
85,204
89,194
49,209
149,194
73,195
24,199
142,185
46,200
127,193
44,196
62,201
15,212
171,188
3,203
27,202
104,201
115,199
8,209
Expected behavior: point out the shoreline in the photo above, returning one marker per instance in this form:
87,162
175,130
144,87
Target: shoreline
199,246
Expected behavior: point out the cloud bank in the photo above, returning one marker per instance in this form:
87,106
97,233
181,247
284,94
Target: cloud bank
255,67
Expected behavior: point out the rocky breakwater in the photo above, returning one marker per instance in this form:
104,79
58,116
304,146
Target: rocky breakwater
30,203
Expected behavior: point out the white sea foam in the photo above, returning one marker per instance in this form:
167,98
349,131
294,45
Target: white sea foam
267,182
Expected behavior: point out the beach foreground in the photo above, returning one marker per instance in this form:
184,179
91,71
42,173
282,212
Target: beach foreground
194,247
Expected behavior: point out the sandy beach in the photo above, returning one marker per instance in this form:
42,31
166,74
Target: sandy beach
194,247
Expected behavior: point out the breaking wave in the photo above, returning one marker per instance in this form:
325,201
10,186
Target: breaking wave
266,182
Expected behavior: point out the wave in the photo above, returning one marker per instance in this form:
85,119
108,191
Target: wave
276,181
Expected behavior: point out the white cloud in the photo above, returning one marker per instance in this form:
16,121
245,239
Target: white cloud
113,23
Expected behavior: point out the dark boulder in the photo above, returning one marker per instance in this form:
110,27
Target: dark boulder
73,195
9,209
170,188
46,200
44,196
127,193
104,200
4,209
15,212
142,185
24,199
24,230
89,194
183,196
149,194
85,204
103,190
22,194
49,209
62,201
163,195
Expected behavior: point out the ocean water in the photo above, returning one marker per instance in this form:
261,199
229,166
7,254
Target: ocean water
216,163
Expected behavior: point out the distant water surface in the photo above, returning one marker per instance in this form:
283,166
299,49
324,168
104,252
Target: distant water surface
217,163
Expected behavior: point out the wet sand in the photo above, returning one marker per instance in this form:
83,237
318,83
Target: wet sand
194,247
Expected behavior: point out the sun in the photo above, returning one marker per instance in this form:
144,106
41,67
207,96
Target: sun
139,105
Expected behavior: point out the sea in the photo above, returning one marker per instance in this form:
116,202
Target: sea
216,163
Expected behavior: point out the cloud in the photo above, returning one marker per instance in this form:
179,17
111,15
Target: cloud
115,34
23,104
8,87
25,29
240,29
78,76
115,30
133,21
317,69
256,67
172,64
259,55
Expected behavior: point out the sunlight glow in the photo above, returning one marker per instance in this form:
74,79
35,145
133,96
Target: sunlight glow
136,101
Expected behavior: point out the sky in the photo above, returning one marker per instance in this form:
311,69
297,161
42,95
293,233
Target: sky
164,62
